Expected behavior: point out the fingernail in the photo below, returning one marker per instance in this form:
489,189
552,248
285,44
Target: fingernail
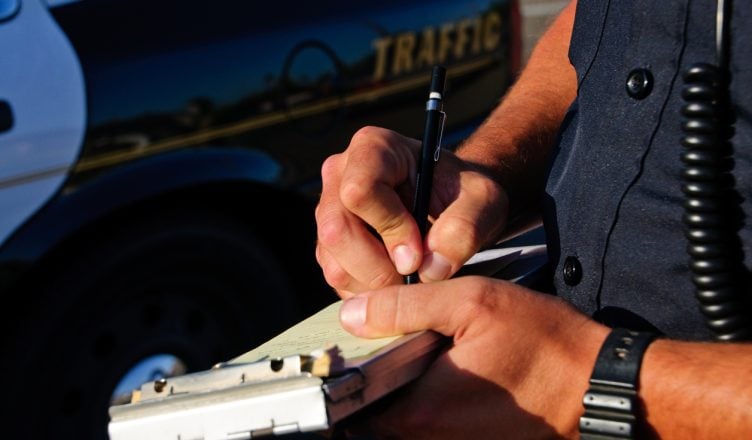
435,267
404,259
353,311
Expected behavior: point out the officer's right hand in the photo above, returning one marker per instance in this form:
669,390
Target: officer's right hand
367,237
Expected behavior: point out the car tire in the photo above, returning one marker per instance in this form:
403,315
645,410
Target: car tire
199,287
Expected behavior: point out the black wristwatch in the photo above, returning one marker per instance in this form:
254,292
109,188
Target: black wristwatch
611,402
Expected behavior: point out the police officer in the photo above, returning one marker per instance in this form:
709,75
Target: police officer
591,133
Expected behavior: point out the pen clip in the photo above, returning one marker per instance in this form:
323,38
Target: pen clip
437,151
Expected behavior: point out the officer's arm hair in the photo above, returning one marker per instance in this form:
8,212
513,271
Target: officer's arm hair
514,142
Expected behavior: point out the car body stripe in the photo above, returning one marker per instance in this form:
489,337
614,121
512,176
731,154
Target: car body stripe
108,159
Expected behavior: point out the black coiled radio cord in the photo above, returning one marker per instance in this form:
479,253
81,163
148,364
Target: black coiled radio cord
713,215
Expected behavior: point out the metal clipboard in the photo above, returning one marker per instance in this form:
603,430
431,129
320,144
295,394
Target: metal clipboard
269,397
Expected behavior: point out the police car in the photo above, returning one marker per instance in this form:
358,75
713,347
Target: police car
159,165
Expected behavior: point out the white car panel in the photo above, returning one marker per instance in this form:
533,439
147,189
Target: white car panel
43,83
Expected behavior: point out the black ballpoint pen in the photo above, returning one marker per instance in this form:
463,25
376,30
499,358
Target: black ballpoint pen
429,154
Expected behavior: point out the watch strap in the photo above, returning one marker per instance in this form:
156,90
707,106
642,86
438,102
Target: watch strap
611,400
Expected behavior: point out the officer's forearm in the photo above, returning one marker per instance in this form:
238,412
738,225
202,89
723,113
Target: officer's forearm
697,390
513,144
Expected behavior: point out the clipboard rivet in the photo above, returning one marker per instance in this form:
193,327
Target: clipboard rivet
276,364
160,384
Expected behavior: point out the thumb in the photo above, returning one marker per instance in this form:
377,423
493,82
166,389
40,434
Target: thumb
402,309
471,220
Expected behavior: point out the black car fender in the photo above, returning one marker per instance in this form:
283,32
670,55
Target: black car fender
75,208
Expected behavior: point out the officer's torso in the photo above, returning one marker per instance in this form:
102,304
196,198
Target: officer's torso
614,201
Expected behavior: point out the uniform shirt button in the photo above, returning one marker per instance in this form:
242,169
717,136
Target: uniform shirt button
572,271
639,83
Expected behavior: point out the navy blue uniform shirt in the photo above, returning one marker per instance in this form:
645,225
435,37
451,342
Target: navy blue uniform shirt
614,203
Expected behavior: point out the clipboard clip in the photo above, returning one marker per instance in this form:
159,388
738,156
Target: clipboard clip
236,401
437,151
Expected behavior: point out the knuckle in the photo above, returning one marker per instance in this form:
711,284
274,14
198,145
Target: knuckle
487,188
380,280
330,167
401,314
355,192
366,134
462,233
390,227
318,253
333,273
335,276
330,230
385,146
481,299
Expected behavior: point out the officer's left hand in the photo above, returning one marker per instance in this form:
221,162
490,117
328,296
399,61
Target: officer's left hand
518,365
